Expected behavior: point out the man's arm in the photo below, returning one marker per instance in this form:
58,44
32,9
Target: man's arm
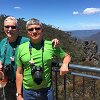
0,65
64,67
19,79
0,58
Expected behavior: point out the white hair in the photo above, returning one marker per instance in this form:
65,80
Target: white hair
11,18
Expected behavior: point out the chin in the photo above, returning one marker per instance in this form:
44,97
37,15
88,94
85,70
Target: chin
9,36
36,38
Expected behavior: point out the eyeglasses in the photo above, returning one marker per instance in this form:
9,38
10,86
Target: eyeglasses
36,28
12,27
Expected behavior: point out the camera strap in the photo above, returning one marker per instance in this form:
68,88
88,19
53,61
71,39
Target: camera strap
30,49
5,50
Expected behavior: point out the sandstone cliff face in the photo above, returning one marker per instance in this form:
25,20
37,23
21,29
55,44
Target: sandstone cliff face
91,52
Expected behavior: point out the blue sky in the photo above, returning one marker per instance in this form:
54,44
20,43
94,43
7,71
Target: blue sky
63,14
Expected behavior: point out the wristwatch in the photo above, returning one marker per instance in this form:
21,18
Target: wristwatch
17,94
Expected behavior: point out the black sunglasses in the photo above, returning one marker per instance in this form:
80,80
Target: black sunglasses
12,27
36,28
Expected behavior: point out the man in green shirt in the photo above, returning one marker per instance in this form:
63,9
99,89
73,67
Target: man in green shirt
8,48
34,64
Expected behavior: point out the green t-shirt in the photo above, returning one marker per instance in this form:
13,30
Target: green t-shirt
23,58
7,51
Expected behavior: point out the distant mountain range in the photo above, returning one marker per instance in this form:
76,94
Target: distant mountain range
82,34
87,35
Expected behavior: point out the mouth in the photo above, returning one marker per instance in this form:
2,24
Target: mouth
10,32
35,34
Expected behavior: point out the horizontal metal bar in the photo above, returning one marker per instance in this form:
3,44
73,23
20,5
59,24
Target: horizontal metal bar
83,68
84,75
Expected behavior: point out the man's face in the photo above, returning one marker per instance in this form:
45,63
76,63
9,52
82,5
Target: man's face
10,28
35,33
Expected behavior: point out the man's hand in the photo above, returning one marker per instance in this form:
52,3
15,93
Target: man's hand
64,69
55,42
1,67
20,97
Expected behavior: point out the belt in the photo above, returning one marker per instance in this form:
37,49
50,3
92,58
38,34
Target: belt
39,90
42,89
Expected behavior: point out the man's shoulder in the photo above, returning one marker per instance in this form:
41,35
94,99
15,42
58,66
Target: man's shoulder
48,42
3,40
23,48
24,44
24,38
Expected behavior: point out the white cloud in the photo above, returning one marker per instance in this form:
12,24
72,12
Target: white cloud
89,11
75,12
17,7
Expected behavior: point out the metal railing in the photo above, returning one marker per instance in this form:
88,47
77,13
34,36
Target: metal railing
81,83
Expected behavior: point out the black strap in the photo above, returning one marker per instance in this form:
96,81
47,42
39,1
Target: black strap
5,51
30,49
14,49
15,46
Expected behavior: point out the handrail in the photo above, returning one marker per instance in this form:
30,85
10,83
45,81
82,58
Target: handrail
77,70
83,68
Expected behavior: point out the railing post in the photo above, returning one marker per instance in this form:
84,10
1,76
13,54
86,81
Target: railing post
56,79
93,89
73,87
65,87
83,87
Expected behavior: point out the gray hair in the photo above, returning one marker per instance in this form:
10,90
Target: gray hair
33,21
11,18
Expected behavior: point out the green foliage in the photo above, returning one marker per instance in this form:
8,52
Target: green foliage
21,27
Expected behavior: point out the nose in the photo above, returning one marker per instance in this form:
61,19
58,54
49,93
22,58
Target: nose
10,28
34,30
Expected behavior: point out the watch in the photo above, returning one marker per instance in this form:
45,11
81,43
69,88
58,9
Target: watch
17,94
